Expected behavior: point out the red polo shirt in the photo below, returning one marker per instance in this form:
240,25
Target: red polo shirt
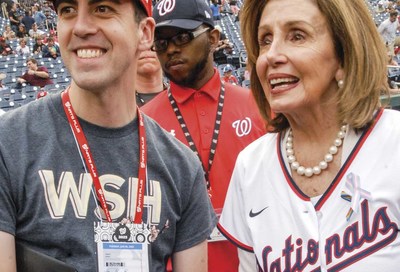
241,124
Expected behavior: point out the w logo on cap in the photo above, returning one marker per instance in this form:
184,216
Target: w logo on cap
165,7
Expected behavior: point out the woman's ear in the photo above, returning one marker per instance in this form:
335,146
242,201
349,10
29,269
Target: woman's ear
146,33
339,74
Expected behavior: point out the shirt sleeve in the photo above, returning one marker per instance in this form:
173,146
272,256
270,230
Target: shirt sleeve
233,222
7,204
198,216
25,76
42,69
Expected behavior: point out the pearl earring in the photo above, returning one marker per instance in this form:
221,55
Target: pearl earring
340,83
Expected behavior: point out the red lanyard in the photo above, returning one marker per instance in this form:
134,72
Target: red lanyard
87,155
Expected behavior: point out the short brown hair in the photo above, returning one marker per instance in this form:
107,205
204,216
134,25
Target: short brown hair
140,12
34,61
360,51
393,13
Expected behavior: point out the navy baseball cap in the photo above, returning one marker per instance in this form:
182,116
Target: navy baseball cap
185,14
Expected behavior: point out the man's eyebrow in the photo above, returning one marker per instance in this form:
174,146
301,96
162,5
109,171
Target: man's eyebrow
59,2
91,2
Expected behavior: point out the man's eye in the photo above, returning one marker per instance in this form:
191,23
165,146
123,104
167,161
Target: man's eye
66,10
102,9
160,44
183,37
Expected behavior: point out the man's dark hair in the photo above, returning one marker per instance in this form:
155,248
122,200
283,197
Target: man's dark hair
140,12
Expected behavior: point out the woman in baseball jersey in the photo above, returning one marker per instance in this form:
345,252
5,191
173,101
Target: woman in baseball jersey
322,191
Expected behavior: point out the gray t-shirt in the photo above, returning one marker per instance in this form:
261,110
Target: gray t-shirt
45,193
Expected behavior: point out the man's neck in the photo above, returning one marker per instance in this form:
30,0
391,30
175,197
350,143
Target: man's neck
149,83
109,109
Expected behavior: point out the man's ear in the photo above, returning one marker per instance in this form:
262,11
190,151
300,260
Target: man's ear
146,33
214,39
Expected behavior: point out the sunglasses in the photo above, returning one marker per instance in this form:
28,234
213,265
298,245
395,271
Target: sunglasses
179,39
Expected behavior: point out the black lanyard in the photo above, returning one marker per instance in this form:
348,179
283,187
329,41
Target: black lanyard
189,138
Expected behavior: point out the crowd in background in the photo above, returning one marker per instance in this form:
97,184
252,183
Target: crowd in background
29,21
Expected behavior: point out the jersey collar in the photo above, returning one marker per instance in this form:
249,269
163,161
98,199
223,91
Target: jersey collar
182,94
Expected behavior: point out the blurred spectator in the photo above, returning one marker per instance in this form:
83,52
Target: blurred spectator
216,10
390,7
21,32
379,7
51,50
149,80
28,20
50,19
38,46
39,17
46,6
2,86
388,29
392,77
35,31
228,77
8,33
234,8
14,17
246,75
35,76
22,48
5,49
223,49
12,37
8,4
391,60
53,35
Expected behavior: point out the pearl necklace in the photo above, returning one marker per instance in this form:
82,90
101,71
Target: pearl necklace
316,170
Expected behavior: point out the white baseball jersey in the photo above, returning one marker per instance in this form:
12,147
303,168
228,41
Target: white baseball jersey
354,226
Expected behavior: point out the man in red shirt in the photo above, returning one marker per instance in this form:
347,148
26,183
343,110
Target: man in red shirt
216,120
35,76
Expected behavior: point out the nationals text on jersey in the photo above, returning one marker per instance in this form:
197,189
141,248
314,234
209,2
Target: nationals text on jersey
365,237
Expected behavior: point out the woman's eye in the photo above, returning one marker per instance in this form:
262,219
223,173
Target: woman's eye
297,36
265,40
